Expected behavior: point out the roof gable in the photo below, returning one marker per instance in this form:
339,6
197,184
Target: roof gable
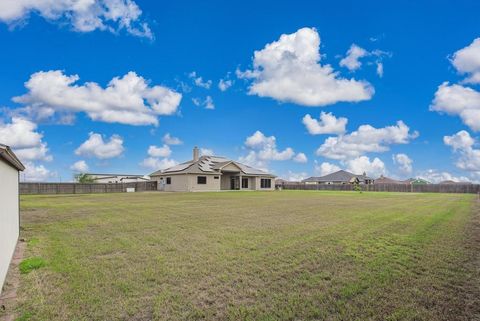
231,166
338,176
211,164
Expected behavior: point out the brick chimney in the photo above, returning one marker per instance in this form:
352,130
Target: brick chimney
196,154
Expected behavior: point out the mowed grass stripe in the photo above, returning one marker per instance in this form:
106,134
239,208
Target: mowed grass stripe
290,255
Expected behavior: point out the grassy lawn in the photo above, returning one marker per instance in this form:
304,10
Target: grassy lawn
290,255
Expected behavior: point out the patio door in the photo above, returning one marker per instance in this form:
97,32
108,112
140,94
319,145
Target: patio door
161,184
234,182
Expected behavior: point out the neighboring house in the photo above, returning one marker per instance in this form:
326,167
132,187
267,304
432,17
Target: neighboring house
117,178
10,166
385,180
212,173
340,177
417,181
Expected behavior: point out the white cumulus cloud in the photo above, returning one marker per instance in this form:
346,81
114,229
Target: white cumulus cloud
79,166
326,168
300,158
459,101
366,139
352,59
224,84
207,102
467,61
262,149
198,81
81,15
289,70
327,124
459,141
36,173
363,164
127,100
155,163
380,69
163,151
404,163
294,177
435,176
22,135
468,156
206,152
171,140
96,146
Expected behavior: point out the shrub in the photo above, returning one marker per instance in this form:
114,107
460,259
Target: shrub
357,188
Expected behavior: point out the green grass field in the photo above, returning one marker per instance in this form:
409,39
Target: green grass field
289,255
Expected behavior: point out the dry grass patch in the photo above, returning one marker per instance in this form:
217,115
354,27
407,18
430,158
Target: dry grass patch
290,255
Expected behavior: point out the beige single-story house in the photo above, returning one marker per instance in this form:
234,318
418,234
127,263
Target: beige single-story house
212,173
10,167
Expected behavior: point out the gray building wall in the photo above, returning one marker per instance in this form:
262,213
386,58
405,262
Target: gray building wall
9,216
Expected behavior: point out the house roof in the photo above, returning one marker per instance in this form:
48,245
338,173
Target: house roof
8,156
417,181
386,180
339,176
209,165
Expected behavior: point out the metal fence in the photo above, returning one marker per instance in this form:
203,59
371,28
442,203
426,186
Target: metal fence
411,188
77,188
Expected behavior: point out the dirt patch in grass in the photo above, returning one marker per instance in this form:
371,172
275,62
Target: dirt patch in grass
8,298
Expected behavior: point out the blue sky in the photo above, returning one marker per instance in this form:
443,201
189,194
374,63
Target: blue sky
98,87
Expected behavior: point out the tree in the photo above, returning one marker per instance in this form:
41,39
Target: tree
83,178
357,187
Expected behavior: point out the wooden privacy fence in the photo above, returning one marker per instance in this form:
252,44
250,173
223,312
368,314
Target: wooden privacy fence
77,188
428,188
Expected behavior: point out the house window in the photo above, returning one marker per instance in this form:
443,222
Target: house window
169,180
216,177
201,179
265,183
244,182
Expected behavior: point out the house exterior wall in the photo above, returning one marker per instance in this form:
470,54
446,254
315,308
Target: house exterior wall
212,183
188,183
251,183
225,182
258,184
9,216
226,179
179,183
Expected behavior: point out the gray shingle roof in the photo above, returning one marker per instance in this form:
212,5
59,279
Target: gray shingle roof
387,180
339,176
209,164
